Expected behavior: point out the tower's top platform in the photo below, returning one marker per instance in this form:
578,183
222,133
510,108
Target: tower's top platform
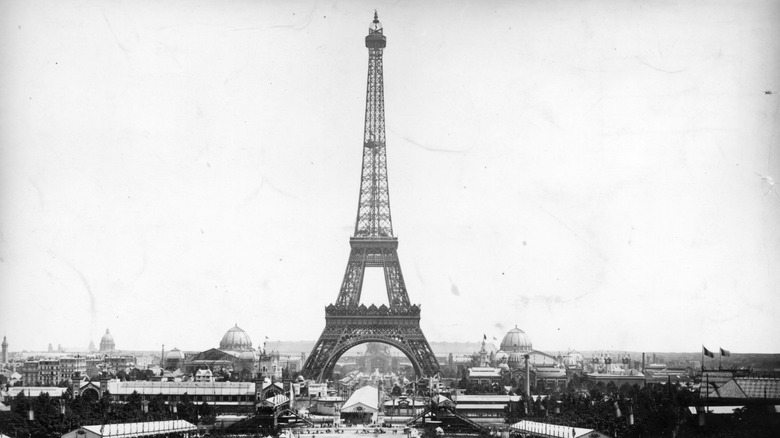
375,38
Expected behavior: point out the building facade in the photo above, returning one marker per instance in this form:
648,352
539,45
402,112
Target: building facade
52,372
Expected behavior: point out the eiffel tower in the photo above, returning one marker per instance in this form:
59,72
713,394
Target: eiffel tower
347,322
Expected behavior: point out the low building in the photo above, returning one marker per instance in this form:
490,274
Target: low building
404,406
328,405
549,430
225,397
630,377
317,389
742,390
362,406
483,408
480,376
131,430
606,370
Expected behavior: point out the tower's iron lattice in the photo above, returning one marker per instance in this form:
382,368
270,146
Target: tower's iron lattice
347,322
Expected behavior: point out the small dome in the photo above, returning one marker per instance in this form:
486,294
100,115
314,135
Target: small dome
501,356
517,360
247,355
174,354
235,339
503,366
516,341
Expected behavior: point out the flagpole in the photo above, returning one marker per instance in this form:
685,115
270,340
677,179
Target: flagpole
702,358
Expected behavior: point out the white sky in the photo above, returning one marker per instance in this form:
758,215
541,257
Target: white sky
589,171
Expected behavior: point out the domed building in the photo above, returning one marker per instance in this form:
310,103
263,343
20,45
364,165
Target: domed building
516,341
174,359
107,343
235,356
246,362
235,339
515,347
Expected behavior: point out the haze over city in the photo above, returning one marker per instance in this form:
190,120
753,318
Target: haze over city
600,174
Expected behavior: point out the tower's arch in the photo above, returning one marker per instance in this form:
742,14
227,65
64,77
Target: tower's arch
330,364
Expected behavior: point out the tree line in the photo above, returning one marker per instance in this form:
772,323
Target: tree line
46,417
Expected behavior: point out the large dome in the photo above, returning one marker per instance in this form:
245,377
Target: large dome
107,342
516,341
174,354
235,339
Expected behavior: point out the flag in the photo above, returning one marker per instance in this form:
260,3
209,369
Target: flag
725,352
707,353
484,337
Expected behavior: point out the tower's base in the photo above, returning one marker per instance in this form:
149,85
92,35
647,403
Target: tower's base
346,327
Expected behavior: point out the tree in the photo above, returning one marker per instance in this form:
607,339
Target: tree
206,413
513,412
158,410
136,374
132,410
186,410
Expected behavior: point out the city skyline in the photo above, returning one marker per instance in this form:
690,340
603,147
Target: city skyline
601,175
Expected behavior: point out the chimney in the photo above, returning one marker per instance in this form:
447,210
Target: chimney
527,378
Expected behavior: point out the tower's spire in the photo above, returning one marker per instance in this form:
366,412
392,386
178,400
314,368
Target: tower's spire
373,217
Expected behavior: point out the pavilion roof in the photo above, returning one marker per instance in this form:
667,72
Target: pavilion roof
128,430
